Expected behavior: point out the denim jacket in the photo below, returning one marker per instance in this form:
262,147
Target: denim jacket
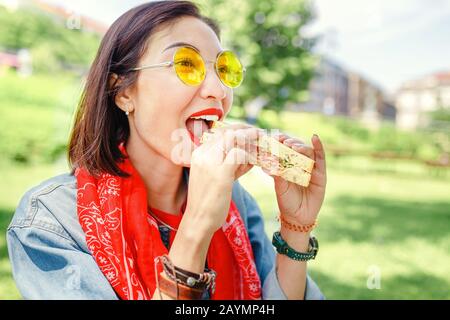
50,258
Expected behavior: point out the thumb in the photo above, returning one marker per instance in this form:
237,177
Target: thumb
234,159
243,169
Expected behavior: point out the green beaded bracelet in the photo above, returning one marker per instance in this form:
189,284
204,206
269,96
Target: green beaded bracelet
283,248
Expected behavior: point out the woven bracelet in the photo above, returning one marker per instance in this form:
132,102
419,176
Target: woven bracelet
296,227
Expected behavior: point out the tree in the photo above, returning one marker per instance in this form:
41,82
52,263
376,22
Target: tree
269,38
53,46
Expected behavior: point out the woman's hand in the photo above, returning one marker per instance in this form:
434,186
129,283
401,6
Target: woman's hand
300,204
215,165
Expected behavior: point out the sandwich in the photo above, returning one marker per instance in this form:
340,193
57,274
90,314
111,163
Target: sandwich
275,157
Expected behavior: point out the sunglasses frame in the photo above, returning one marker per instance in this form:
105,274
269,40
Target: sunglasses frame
172,64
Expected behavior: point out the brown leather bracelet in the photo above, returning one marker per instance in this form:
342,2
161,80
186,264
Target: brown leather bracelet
200,281
176,290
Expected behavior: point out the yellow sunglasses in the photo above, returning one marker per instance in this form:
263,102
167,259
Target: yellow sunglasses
190,67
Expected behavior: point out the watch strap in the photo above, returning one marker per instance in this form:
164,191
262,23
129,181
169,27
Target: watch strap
283,248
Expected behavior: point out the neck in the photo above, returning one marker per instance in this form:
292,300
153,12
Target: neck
163,179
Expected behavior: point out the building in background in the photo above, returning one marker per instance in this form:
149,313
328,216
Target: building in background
328,90
9,60
19,61
337,91
416,98
368,102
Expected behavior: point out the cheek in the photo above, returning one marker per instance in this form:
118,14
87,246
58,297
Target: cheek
162,102
160,112
227,103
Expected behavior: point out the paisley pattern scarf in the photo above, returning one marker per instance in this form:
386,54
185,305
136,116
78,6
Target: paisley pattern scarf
124,239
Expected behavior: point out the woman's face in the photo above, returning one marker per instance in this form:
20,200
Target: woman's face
161,103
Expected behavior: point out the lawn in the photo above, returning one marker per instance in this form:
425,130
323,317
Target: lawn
371,222
380,218
388,224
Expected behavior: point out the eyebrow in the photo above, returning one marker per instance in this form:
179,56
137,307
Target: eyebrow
180,44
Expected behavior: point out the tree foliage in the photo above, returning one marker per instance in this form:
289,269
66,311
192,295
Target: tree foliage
52,44
270,38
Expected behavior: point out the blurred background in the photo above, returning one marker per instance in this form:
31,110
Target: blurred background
371,78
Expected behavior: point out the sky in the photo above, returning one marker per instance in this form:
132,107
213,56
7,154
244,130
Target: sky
387,41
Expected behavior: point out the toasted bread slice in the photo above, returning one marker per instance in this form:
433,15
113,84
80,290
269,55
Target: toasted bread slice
291,165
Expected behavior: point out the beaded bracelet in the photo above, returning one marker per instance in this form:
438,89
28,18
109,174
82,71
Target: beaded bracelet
296,227
283,248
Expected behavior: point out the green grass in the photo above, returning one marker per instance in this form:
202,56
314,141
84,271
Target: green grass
391,215
397,223
35,116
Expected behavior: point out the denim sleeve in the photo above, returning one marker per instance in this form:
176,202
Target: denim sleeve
48,266
265,256
46,261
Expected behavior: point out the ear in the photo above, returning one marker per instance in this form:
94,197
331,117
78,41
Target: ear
123,98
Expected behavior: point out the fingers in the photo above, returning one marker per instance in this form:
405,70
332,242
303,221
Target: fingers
319,152
281,137
318,178
304,149
225,139
235,157
291,141
242,169
287,140
315,152
245,137
297,145
241,138
318,146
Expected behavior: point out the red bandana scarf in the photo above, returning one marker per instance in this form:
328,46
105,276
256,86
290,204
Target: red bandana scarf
124,239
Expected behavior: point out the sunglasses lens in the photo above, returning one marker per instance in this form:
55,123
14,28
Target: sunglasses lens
230,69
189,66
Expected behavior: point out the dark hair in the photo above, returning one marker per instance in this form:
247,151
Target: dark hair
99,125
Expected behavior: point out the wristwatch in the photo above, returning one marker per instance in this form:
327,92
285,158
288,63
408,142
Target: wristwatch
283,248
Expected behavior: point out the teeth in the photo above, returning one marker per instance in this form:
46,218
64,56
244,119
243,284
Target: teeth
207,117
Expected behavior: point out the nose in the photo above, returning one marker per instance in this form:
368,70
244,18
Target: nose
212,87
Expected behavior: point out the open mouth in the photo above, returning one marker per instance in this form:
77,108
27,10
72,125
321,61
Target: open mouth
197,125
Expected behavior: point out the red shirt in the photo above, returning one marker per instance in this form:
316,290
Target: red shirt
171,219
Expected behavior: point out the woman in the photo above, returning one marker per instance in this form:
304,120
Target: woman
123,225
